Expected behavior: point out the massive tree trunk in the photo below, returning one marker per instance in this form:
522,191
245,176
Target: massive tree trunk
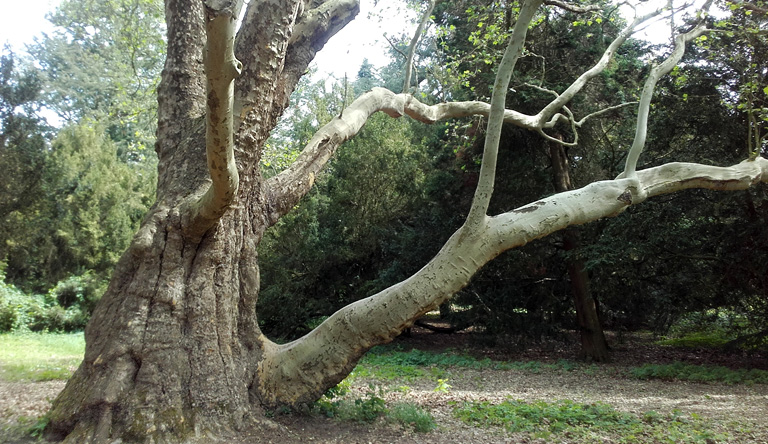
173,350
593,344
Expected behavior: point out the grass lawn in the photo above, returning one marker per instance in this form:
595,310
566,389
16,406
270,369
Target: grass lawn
40,356
402,394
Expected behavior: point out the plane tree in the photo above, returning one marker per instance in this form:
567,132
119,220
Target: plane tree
174,349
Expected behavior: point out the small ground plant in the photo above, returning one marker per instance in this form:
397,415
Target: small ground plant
372,407
412,415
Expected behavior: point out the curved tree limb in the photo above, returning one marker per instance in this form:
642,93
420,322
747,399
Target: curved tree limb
312,31
484,190
330,351
286,189
566,96
643,110
289,36
221,69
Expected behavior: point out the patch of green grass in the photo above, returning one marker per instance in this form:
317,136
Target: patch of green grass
699,373
390,363
412,416
586,422
40,356
697,340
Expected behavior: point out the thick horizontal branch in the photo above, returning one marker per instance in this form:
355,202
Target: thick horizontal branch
287,188
330,351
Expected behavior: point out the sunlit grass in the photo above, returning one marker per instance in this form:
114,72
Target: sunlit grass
40,356
697,340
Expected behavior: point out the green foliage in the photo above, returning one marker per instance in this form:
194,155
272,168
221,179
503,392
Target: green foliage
79,291
23,137
407,414
697,340
71,206
371,407
541,416
37,429
11,301
680,371
39,357
590,422
93,204
66,307
103,61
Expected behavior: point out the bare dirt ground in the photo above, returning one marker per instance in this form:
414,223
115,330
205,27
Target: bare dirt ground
739,410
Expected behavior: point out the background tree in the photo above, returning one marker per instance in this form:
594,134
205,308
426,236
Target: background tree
102,61
97,69
24,150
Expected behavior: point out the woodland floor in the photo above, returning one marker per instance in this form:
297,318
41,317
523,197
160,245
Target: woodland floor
739,411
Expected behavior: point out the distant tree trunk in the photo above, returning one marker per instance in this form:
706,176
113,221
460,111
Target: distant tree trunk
593,344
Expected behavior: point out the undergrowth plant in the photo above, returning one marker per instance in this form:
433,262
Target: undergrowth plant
371,407
412,416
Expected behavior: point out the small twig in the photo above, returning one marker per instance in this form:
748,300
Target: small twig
394,46
603,111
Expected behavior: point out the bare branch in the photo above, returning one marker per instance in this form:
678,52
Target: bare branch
579,83
412,46
641,129
394,46
571,7
603,111
285,189
221,68
478,210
